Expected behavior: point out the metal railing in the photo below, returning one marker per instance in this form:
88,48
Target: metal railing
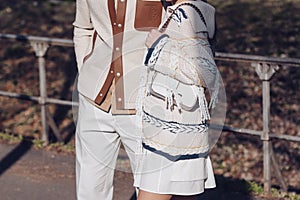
40,46
265,67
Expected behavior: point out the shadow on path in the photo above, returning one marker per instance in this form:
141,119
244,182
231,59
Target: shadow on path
227,188
11,158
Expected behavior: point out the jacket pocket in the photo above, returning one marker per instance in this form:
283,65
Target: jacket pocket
94,37
148,15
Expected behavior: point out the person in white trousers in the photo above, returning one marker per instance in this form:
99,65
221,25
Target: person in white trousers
109,39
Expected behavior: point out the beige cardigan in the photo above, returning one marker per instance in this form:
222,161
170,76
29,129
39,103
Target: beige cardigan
94,16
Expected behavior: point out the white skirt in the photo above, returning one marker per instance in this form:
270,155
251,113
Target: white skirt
160,175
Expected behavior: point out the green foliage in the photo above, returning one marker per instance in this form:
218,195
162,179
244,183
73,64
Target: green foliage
38,143
10,138
258,189
255,188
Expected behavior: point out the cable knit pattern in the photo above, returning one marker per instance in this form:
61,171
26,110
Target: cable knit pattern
189,61
180,66
176,138
175,150
174,127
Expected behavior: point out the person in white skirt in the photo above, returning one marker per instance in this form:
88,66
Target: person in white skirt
174,106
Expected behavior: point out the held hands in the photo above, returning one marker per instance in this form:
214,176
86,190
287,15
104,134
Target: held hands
152,36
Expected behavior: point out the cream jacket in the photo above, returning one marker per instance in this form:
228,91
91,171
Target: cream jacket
93,17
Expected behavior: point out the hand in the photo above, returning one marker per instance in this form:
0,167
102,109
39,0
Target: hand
152,36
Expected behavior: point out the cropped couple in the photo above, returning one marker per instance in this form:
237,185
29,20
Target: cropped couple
147,80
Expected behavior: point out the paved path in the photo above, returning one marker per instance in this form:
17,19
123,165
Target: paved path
26,173
30,174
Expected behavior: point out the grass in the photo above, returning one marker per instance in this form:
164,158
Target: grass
37,143
258,189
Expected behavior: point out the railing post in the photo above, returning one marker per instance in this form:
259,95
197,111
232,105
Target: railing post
265,136
265,72
40,49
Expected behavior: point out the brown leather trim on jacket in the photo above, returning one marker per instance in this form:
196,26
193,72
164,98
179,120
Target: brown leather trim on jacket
115,78
116,68
147,15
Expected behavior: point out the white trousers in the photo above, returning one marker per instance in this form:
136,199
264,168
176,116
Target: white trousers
98,139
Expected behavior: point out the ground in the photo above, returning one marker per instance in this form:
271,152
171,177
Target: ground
28,173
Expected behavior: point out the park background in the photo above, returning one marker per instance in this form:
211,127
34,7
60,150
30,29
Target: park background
252,27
